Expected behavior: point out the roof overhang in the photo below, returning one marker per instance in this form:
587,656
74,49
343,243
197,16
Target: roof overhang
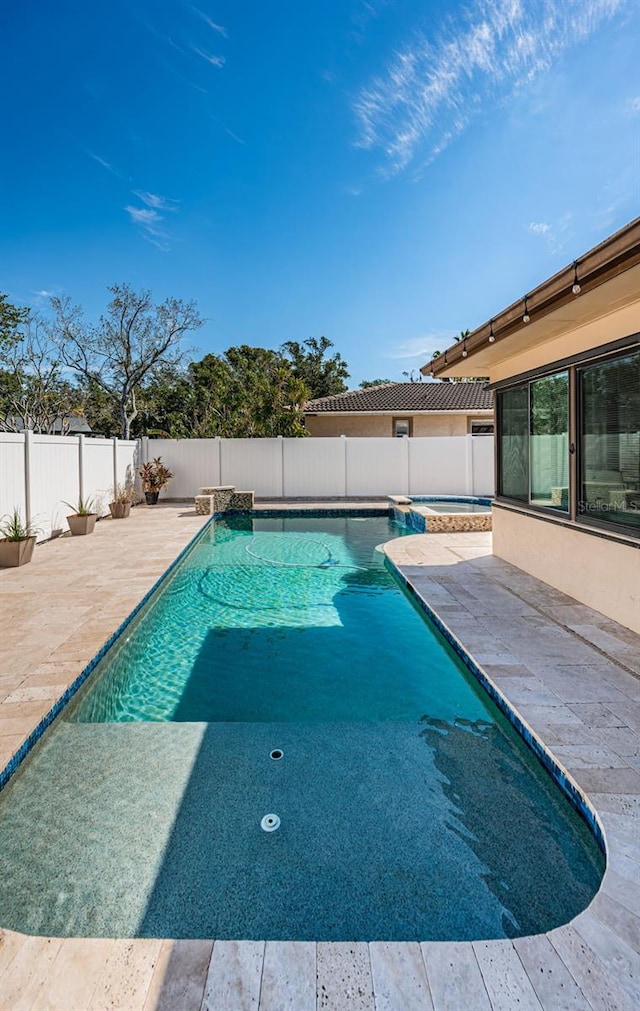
609,278
399,412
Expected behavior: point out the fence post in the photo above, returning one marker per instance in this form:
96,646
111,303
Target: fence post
219,441
115,465
28,444
344,469
145,448
407,440
81,467
281,466
469,464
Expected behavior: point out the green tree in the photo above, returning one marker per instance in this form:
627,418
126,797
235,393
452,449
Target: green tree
12,319
131,339
323,376
245,392
264,395
366,384
34,393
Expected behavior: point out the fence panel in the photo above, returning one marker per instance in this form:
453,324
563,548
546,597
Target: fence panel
253,465
127,463
330,467
377,466
12,487
195,464
482,456
315,467
438,465
54,481
97,473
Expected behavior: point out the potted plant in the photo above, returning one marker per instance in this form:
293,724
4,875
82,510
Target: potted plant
155,476
123,499
83,520
17,540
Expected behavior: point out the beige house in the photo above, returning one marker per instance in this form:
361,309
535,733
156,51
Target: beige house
404,409
564,363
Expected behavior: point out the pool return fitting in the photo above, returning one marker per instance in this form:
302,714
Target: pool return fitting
270,822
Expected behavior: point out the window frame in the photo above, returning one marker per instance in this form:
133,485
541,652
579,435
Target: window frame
621,348
489,423
588,519
408,420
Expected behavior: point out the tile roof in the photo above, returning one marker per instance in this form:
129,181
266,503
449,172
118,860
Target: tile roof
407,397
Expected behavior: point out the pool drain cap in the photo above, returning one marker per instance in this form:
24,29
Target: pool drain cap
276,754
270,822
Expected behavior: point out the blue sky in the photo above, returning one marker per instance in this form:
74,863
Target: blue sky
383,173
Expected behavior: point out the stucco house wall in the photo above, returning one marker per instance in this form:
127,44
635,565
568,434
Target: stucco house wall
600,572
368,425
603,574
598,563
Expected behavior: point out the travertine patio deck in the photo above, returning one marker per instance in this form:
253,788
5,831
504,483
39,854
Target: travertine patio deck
570,673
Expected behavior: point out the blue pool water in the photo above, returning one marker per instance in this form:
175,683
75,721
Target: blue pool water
410,809
452,504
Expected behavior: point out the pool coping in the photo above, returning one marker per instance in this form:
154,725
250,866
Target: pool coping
556,770
592,959
29,743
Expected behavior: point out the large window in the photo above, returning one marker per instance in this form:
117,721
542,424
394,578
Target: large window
610,441
533,440
513,425
549,442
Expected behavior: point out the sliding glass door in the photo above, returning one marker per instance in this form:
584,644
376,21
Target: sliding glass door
533,423
610,441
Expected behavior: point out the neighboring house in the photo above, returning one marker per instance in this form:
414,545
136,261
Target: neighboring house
70,425
565,366
404,409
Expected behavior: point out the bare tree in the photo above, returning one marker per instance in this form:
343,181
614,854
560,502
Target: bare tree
133,338
33,392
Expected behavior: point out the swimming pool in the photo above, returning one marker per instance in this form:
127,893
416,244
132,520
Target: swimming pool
443,513
409,808
450,504
457,507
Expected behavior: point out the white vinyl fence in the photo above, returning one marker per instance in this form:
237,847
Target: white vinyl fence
329,468
39,474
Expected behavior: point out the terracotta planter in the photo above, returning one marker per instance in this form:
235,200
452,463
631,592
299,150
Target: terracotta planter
151,497
120,510
14,553
80,525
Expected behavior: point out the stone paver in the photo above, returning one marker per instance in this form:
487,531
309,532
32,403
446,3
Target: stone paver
566,669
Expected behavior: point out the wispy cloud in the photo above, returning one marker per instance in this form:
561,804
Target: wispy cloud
633,106
215,61
209,21
420,349
555,235
142,215
542,228
156,201
106,165
432,89
221,122
161,36
41,298
149,220
365,12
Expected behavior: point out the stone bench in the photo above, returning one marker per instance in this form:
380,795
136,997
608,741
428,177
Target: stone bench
222,499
